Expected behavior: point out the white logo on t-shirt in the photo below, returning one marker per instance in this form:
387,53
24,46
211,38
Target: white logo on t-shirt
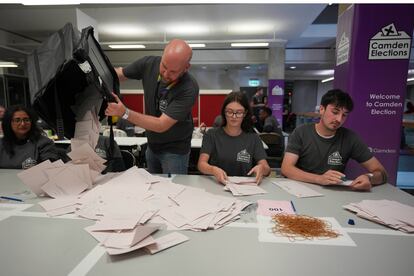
28,163
243,156
335,159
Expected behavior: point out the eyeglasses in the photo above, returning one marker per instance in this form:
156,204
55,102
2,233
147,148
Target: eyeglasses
19,120
231,113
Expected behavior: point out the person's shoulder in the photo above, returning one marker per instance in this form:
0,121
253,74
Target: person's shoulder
348,133
190,81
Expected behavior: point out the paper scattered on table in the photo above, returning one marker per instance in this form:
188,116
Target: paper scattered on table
242,180
387,212
244,189
296,188
135,198
166,241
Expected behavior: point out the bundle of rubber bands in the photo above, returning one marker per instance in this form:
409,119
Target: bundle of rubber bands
299,227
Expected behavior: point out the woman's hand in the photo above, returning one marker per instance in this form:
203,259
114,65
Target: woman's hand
220,175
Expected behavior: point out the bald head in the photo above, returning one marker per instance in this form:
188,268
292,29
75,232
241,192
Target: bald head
175,60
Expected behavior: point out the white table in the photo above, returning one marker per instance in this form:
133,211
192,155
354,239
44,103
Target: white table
33,244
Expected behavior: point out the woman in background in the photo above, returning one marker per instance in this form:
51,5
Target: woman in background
233,149
24,144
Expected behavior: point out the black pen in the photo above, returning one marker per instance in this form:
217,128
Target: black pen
11,198
293,206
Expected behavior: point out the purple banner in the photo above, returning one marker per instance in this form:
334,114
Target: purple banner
276,92
375,75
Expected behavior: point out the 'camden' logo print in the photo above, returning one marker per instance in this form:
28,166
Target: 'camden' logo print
28,163
335,159
243,156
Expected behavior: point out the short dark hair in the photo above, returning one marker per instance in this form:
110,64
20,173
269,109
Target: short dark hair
241,98
9,138
268,110
338,98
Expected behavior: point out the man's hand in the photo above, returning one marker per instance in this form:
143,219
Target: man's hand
361,183
116,108
330,177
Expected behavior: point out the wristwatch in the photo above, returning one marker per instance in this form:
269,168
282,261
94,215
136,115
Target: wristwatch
370,176
126,114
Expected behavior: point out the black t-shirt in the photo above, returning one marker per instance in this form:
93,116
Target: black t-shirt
318,154
236,155
176,102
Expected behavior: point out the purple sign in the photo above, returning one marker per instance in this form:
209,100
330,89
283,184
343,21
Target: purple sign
372,65
276,91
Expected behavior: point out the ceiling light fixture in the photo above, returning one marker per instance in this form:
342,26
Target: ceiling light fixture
328,79
410,79
197,45
126,46
254,44
292,67
7,64
48,2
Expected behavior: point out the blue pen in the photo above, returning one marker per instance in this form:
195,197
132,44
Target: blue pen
11,198
293,206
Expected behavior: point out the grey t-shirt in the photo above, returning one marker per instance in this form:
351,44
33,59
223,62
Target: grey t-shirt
317,154
28,153
175,102
236,155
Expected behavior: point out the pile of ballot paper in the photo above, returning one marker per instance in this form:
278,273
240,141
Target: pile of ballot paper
243,186
132,205
387,212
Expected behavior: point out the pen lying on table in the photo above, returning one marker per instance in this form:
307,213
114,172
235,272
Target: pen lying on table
11,198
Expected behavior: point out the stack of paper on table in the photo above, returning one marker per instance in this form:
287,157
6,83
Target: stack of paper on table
390,213
296,188
243,186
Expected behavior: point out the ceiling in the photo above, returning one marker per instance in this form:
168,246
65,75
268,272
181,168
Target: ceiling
307,31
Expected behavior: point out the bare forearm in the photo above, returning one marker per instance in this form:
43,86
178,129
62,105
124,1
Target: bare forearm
205,168
295,173
147,122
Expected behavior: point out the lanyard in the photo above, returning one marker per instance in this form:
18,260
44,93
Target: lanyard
168,87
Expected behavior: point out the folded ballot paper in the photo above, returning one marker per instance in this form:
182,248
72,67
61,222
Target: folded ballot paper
243,186
129,207
387,212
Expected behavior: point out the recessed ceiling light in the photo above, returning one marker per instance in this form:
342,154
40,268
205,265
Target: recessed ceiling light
204,67
255,44
292,67
247,67
126,46
250,28
188,29
328,79
7,64
121,30
410,79
197,45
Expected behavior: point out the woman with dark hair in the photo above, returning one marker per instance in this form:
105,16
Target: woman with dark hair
233,149
24,144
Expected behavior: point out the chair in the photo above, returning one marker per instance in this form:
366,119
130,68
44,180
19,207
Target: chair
275,152
129,159
117,132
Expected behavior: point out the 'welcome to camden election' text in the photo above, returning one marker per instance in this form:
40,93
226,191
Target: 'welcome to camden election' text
384,104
